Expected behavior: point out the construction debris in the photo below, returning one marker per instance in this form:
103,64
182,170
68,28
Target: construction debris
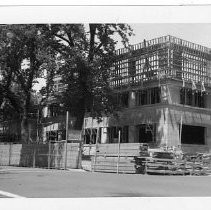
174,163
139,158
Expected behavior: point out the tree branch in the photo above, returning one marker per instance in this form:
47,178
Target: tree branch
92,28
64,39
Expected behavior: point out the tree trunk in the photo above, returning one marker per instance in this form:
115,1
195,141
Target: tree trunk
80,115
25,127
25,138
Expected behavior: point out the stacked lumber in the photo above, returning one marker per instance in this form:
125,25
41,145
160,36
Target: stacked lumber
165,167
167,163
113,164
126,149
199,163
116,158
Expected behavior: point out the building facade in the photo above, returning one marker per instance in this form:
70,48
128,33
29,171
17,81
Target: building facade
163,87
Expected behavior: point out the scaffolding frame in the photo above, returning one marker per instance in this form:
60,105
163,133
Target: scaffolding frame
167,57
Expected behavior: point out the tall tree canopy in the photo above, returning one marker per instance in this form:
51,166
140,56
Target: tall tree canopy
23,51
81,54
86,55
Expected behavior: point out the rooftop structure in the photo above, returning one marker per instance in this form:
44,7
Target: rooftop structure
161,58
163,88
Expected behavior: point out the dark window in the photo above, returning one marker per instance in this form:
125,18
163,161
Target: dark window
193,134
132,68
121,99
189,97
192,98
113,134
124,136
55,110
90,136
148,96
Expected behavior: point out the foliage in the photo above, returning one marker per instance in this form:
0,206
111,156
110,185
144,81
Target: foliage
81,54
24,49
85,63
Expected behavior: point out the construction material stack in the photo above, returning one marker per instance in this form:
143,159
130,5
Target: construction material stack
112,158
168,162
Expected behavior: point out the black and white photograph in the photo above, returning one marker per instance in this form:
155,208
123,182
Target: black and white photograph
105,107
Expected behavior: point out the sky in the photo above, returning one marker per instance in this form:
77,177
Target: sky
199,33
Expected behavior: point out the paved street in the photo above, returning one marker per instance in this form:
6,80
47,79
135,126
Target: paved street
43,183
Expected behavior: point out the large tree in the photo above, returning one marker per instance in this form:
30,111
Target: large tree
87,54
24,49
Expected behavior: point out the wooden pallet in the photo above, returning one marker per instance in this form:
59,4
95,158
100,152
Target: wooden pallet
116,158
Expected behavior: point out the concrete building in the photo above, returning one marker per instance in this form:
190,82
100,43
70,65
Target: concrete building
163,87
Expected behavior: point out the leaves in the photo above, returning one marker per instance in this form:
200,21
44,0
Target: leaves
86,68
82,58
24,50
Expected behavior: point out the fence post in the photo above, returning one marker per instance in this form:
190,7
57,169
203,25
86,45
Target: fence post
10,151
118,157
79,154
49,154
67,120
96,149
34,155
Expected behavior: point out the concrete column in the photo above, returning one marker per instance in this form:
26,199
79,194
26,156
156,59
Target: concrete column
162,128
173,134
104,135
132,99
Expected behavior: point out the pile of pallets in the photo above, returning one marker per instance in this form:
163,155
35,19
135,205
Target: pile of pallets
113,164
137,158
167,163
116,158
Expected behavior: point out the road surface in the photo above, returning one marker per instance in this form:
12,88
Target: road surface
44,183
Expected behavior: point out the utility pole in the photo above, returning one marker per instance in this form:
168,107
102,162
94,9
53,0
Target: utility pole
67,119
38,113
118,157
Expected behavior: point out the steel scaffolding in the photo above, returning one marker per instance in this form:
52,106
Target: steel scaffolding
161,58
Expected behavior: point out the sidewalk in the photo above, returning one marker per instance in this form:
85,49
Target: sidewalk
16,168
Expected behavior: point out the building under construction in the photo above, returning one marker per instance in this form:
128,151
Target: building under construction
163,87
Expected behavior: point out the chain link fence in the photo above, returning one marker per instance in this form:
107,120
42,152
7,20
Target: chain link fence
57,155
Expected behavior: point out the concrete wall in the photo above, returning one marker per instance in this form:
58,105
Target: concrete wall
167,116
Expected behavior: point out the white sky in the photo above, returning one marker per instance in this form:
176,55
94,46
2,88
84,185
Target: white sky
199,33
